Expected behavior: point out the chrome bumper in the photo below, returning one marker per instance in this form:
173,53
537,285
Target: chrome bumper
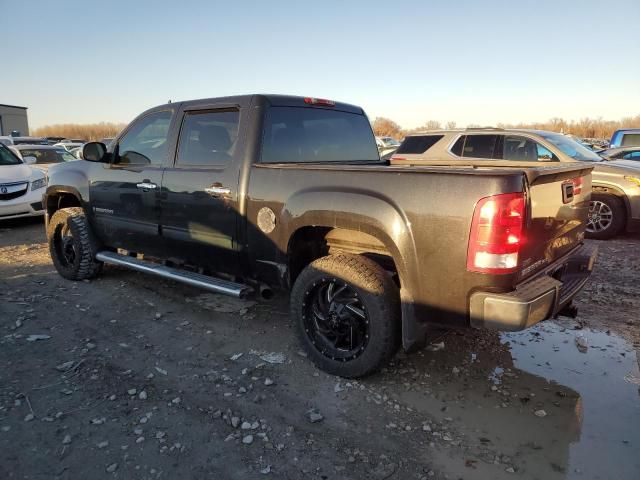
536,300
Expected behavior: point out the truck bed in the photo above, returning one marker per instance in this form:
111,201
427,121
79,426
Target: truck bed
423,214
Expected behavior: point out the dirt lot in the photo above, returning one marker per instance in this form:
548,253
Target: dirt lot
129,376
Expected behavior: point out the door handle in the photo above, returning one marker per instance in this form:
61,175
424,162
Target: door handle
217,191
147,185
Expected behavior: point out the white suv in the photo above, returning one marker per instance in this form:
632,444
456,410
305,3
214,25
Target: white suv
21,187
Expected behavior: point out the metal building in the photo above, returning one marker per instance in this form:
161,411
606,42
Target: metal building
13,119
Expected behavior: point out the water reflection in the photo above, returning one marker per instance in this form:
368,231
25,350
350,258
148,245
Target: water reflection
535,401
609,443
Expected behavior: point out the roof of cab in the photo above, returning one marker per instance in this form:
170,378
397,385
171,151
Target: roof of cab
266,99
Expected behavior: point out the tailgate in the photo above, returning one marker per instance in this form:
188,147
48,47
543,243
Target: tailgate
559,205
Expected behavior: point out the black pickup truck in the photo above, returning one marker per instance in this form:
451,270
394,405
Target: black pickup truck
250,193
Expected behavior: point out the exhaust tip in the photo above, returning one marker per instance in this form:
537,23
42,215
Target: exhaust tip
265,292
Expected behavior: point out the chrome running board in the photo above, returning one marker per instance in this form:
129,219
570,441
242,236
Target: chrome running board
190,278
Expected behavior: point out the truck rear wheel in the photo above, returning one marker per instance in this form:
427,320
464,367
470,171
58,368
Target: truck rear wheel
72,245
347,314
606,216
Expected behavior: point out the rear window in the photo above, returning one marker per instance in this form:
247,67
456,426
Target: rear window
311,135
418,143
630,139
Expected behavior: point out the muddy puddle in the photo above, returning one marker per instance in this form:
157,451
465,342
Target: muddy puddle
603,369
537,404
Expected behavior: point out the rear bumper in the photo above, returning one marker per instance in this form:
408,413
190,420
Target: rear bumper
535,300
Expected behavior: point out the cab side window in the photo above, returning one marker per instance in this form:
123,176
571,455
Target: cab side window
146,141
475,146
523,149
208,137
632,156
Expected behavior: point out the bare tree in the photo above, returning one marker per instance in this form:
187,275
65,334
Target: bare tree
584,128
431,125
384,127
94,131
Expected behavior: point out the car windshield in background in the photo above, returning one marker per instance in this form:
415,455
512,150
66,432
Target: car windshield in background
48,155
312,135
570,147
7,157
390,142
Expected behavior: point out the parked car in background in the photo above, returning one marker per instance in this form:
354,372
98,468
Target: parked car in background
54,140
386,145
621,153
30,141
625,137
615,199
44,155
76,152
107,141
290,192
68,146
21,187
388,141
6,140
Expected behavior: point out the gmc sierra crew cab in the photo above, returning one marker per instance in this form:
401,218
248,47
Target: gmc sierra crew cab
254,192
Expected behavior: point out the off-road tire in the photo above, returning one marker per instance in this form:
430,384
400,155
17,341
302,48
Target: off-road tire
375,290
85,246
618,220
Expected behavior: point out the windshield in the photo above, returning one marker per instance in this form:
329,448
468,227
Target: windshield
47,155
390,141
7,157
570,147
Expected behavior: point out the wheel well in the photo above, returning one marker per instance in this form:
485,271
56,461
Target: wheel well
61,200
310,243
614,192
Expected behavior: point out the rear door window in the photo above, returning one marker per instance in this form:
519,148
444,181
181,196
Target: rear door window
208,137
475,146
418,143
312,135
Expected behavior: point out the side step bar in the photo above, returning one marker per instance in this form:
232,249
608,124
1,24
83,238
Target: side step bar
190,278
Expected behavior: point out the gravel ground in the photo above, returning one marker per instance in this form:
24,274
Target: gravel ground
128,376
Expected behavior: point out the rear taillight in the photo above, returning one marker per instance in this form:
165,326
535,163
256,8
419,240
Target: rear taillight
394,157
577,185
319,101
497,234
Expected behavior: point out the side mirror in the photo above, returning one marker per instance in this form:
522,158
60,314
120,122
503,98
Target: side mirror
94,152
29,160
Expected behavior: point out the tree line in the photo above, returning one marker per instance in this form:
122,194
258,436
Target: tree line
382,126
91,131
584,128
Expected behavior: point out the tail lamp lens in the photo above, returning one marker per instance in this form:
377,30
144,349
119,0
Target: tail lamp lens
496,234
577,185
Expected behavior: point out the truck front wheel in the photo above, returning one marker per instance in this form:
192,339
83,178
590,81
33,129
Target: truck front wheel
347,314
72,245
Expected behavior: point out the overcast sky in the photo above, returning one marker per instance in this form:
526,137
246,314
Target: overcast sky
483,62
